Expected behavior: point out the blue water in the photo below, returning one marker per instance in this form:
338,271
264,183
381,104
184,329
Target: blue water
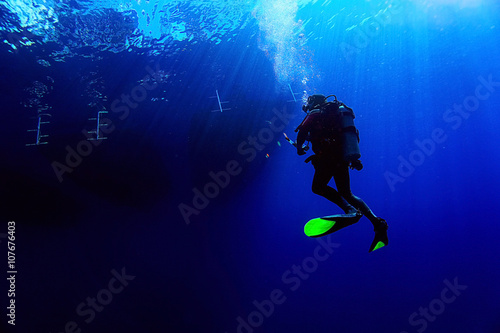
199,206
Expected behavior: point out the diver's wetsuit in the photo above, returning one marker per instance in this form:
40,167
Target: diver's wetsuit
328,162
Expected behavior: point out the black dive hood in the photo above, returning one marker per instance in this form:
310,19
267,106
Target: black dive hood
316,101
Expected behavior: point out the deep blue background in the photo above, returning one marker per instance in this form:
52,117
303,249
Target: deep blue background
119,208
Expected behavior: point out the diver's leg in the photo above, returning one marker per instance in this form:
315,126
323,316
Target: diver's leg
341,176
322,176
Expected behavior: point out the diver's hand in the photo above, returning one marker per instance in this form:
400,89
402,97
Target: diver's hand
301,151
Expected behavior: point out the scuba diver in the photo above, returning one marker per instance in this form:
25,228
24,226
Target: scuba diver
329,126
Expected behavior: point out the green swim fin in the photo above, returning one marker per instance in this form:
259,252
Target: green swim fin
380,239
326,225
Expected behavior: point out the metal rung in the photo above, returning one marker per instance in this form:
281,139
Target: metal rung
36,144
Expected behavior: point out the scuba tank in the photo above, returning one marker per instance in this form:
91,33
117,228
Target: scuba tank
350,134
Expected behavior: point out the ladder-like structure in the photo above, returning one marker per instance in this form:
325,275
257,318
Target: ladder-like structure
39,136
97,131
294,100
221,109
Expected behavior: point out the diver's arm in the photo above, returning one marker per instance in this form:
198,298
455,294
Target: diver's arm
301,139
303,133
